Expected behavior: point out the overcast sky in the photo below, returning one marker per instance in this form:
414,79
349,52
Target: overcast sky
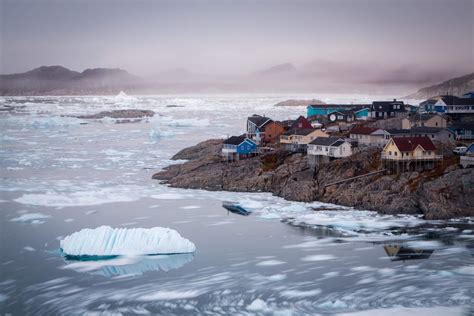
236,37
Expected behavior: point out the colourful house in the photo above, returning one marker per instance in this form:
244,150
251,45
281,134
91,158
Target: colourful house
272,131
410,154
325,109
298,139
238,147
424,120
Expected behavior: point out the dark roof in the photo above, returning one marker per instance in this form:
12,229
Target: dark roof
326,141
386,106
428,130
332,106
462,126
287,123
422,117
453,100
395,131
259,120
235,140
410,143
363,130
416,130
299,131
429,101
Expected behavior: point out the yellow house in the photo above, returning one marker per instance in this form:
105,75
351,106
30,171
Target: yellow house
298,139
301,136
410,148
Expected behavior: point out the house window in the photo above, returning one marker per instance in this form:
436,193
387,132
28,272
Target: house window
396,154
389,152
436,123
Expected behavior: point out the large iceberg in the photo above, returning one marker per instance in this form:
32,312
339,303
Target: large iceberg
107,241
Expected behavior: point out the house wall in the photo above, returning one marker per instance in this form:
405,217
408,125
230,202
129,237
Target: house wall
272,132
246,147
310,110
362,114
345,150
391,150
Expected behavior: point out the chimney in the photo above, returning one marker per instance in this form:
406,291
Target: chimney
394,100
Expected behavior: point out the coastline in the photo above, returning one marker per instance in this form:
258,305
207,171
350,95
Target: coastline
443,193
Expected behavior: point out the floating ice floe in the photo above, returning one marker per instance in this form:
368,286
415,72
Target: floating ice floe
356,221
32,218
108,241
156,134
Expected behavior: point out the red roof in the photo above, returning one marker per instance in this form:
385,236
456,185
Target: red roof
410,143
363,130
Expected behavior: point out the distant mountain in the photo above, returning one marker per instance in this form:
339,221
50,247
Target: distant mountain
281,69
457,86
58,80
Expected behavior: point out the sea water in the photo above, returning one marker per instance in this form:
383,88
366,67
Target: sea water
61,174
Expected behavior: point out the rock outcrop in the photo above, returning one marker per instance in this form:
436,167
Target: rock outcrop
442,193
293,102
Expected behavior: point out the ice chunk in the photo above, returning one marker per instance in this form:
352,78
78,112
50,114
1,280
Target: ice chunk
108,241
33,218
318,258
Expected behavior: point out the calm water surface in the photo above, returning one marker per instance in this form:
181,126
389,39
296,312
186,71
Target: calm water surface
61,174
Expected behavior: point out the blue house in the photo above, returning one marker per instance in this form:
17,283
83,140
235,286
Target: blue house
463,131
324,109
469,95
239,147
361,111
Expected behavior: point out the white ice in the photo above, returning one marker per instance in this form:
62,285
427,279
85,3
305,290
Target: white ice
108,241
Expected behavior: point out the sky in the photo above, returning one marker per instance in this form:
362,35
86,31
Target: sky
422,38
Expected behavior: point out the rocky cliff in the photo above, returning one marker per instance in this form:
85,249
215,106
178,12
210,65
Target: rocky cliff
442,193
456,86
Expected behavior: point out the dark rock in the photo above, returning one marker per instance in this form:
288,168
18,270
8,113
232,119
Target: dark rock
439,194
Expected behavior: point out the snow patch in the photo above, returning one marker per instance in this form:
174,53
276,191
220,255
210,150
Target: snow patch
108,241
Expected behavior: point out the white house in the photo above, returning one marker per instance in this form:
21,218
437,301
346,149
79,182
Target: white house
370,136
333,147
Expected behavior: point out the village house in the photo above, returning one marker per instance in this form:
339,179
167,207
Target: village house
238,147
344,116
448,104
369,136
323,149
467,159
409,154
272,131
424,120
436,134
463,131
296,140
358,111
468,95
255,126
387,109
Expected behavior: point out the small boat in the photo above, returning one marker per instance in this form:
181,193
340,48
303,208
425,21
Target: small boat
235,208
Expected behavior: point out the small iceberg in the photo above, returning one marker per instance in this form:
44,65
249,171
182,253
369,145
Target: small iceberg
122,96
106,241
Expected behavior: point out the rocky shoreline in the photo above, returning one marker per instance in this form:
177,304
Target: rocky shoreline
442,193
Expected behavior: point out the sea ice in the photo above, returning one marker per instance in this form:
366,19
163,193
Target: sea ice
33,218
318,258
108,241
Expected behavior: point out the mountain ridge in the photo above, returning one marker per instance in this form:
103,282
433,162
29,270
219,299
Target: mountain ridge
455,86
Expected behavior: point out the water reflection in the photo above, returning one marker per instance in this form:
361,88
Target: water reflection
121,266
400,252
